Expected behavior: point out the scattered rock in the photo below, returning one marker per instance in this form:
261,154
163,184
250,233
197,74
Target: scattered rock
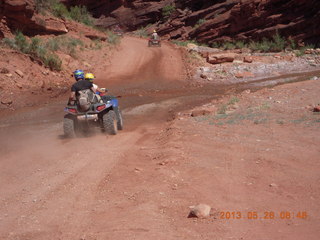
137,169
7,102
4,70
19,73
238,61
220,58
202,75
200,211
273,185
244,74
248,59
316,109
9,75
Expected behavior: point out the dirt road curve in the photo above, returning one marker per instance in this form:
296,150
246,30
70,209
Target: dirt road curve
258,161
50,186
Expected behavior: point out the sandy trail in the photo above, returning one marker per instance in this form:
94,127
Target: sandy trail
140,183
49,184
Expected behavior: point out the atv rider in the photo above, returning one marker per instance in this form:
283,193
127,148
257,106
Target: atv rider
155,35
90,77
81,84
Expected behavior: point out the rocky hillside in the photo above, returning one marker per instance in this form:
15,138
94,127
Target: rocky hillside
205,21
210,21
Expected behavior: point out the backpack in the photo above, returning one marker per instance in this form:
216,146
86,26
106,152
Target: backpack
85,98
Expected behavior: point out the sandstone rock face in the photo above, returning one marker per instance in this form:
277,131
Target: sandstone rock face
206,21
20,14
211,21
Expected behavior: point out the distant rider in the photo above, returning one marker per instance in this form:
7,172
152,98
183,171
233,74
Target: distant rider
81,84
155,35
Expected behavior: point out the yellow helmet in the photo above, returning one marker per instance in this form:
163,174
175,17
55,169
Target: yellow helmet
154,31
89,77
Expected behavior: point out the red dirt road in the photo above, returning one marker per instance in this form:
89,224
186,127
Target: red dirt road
260,159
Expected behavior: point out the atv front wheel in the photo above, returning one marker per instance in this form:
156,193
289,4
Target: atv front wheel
68,126
110,123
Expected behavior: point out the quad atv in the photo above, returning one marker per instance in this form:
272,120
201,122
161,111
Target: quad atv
154,42
106,115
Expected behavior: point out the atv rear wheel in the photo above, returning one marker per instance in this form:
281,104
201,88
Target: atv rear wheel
119,118
69,126
110,123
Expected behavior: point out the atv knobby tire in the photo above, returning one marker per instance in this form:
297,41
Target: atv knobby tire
110,123
119,118
68,126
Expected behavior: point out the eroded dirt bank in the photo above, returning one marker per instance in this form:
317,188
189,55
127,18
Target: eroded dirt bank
259,154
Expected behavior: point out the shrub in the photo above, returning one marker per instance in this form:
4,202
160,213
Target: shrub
240,44
199,23
10,43
53,44
21,42
60,10
35,48
292,43
53,62
141,32
65,44
278,43
81,14
167,10
44,5
113,38
228,45
263,46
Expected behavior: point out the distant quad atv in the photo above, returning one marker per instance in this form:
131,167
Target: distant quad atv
154,42
106,115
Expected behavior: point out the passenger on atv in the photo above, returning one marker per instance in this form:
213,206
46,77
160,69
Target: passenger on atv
100,92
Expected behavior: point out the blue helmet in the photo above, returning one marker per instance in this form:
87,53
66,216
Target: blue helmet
78,74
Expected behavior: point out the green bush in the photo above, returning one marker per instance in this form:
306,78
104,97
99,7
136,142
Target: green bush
53,62
36,48
113,39
21,42
199,23
60,10
81,14
229,45
167,10
76,13
278,43
142,32
45,5
240,44
53,44
65,44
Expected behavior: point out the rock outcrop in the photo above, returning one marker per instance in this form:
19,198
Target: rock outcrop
20,14
212,21
202,20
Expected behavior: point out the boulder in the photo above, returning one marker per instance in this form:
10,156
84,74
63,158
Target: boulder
200,211
220,58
